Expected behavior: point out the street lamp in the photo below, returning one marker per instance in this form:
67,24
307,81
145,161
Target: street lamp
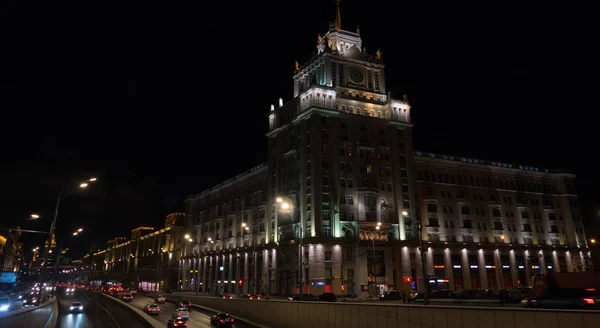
34,216
593,241
423,257
53,225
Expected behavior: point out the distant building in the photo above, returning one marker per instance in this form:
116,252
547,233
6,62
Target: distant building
343,198
11,251
147,260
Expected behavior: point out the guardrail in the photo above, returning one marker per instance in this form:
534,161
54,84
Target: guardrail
45,315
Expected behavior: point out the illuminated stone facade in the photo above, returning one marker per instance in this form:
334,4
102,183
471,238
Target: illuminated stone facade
341,161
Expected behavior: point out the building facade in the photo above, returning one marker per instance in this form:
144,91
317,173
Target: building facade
342,200
148,260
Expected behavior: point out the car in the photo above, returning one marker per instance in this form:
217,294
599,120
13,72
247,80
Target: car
185,304
181,313
152,309
31,300
76,307
225,296
251,296
172,323
127,297
4,304
160,299
221,320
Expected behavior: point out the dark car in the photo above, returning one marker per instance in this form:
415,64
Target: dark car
127,297
185,304
31,300
327,297
172,323
566,298
221,320
392,295
304,297
160,299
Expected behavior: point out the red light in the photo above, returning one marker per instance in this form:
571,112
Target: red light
589,300
591,289
231,319
222,320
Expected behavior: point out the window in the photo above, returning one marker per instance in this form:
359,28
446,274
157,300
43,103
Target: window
328,256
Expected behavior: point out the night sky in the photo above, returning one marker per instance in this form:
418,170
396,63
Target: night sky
165,99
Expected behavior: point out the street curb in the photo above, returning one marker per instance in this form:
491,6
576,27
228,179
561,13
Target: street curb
29,309
172,300
151,321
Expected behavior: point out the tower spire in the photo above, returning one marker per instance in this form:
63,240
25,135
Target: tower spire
338,17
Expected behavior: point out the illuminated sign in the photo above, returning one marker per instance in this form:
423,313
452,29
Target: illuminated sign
8,277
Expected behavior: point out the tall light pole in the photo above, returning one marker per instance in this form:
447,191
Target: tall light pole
53,226
287,205
423,256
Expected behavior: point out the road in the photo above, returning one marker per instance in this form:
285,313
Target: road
198,318
96,309
36,318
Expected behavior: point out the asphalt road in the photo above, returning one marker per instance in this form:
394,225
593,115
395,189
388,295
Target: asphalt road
198,318
96,310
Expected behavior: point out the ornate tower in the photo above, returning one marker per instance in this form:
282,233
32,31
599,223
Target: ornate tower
340,151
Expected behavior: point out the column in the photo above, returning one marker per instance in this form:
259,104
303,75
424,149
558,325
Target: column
483,282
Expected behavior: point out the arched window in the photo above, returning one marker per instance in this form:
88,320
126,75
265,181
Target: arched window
365,112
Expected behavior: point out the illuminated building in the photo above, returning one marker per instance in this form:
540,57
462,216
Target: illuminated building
146,260
341,160
11,251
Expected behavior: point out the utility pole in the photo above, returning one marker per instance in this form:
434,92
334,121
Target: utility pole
52,227
423,256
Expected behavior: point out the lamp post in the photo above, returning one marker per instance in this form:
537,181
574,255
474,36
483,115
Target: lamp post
423,257
82,185
286,205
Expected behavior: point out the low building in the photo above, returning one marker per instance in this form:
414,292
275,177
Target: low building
147,260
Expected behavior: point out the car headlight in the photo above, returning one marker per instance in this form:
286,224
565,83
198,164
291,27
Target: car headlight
71,308
81,307
20,296
4,307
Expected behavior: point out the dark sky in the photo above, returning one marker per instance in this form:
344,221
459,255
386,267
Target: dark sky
164,99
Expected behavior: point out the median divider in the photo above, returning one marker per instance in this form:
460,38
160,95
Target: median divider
149,320
213,311
53,319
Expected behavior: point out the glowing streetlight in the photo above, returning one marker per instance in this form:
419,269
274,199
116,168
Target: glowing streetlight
92,179
285,206
35,216
279,200
377,227
75,233
405,213
593,241
187,236
247,228
502,237
83,185
243,224
209,239
80,230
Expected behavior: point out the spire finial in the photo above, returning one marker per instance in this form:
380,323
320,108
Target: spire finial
338,18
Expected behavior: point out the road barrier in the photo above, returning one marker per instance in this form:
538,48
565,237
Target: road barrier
282,314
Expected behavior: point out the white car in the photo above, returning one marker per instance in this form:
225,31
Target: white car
76,307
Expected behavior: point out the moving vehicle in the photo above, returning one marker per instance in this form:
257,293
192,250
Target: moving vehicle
181,314
566,290
127,297
152,309
4,304
160,299
31,300
76,307
172,323
327,297
221,320
185,304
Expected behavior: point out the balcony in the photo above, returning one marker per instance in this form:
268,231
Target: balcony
466,231
435,229
527,233
554,235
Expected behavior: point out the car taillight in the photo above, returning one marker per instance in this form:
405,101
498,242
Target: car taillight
589,300
231,319
258,297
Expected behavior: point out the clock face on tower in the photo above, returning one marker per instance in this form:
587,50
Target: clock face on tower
356,75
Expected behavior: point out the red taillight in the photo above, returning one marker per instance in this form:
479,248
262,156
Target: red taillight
258,297
223,297
231,319
222,320
589,301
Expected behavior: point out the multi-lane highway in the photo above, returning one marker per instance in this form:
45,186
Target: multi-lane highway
198,318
